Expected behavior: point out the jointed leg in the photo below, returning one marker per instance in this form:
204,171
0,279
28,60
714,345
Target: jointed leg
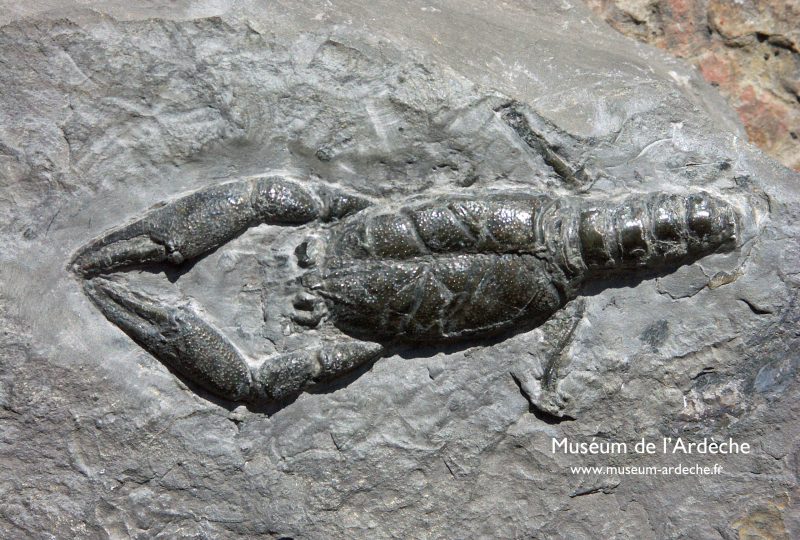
186,343
202,221
309,309
285,375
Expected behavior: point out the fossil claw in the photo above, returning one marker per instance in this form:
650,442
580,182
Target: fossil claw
205,219
117,251
177,336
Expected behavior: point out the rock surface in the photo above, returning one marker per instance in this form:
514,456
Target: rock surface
106,112
749,49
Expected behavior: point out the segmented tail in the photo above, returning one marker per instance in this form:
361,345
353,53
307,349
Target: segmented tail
647,231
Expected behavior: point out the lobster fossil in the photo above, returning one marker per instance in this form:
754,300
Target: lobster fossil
427,270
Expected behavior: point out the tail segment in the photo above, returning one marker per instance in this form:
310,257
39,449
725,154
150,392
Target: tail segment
645,231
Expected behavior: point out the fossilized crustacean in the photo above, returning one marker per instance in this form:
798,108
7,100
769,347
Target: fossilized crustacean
430,270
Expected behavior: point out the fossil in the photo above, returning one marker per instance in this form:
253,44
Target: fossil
426,270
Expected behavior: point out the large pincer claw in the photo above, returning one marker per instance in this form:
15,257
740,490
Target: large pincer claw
177,336
128,246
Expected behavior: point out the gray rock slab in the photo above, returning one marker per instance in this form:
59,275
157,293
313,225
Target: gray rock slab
107,108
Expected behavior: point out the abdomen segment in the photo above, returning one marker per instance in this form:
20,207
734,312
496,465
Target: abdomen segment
650,231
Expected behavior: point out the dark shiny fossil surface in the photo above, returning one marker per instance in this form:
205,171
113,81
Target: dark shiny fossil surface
434,271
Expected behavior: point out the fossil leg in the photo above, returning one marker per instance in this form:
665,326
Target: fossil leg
202,221
189,345
284,375
310,309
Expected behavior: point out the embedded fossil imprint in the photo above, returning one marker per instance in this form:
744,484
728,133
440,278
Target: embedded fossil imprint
428,270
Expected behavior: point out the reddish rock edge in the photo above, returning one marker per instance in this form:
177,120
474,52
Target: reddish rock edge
749,49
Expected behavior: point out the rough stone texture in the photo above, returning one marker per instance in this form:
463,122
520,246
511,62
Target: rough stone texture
749,49
106,113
